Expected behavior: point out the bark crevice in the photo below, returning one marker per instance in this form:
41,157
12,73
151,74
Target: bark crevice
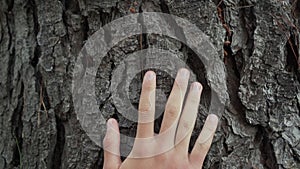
60,144
17,128
268,158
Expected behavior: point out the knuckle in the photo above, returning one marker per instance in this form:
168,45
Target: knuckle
197,165
194,100
110,166
161,158
107,142
142,150
172,110
148,86
184,165
144,107
203,147
180,85
186,125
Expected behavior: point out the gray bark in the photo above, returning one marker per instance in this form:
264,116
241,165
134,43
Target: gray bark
40,41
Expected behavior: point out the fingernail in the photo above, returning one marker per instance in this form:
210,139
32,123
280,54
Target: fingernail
184,73
196,87
209,128
111,124
213,118
150,75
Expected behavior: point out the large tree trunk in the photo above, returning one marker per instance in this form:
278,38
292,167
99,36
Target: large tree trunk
40,41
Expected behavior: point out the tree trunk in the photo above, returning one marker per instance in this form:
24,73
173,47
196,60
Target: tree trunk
257,41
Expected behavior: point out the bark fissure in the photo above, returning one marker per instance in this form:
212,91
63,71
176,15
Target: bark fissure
171,21
164,7
12,57
268,158
10,73
10,5
37,50
60,144
292,56
17,127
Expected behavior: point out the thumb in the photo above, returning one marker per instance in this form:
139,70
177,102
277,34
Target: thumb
111,146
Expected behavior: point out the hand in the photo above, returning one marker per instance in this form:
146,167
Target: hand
168,149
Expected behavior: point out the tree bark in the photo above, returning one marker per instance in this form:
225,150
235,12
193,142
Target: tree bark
258,42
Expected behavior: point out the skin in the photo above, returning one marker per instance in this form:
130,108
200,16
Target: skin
175,133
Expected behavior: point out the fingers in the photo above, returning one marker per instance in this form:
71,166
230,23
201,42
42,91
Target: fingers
175,101
111,146
188,118
147,106
204,141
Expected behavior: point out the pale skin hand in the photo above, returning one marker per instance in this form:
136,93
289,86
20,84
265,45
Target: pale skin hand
183,118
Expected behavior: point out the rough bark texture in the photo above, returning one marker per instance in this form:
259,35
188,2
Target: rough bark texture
39,43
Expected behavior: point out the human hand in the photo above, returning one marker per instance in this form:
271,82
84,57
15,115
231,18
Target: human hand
168,149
